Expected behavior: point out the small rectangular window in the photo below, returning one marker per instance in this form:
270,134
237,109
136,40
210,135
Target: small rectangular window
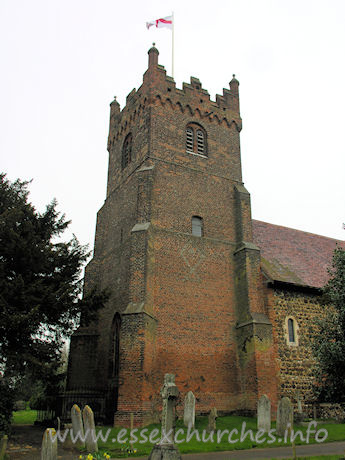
197,226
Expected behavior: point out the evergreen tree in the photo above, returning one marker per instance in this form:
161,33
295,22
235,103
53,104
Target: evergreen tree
40,286
329,345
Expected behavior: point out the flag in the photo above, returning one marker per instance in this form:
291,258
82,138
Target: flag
162,22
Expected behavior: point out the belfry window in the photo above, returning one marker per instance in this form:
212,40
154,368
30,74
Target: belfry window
126,151
196,139
200,142
197,226
189,139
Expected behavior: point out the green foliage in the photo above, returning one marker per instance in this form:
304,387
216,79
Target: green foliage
329,345
6,406
40,287
24,417
95,456
319,457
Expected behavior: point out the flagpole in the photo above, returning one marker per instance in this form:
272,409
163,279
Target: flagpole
172,44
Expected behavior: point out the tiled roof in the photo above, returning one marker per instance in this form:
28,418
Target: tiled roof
293,256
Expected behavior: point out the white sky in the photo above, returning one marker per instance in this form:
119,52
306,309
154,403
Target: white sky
63,61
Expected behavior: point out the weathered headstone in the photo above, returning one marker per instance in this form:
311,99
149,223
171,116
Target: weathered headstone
284,416
90,430
49,445
299,416
169,393
77,424
212,417
3,446
264,414
189,410
166,449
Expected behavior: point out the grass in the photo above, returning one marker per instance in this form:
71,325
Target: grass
336,432
322,457
24,417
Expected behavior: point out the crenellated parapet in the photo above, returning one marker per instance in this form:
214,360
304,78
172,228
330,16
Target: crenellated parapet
216,116
121,121
159,88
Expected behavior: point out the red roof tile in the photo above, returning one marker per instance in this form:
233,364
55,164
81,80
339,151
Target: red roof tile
293,256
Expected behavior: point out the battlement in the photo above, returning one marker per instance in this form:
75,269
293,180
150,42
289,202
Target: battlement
158,87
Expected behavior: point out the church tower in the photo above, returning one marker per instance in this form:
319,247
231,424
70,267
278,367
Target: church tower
174,245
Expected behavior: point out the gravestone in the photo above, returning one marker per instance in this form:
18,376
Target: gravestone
90,430
189,410
166,449
169,393
77,424
299,416
264,414
49,445
212,417
284,416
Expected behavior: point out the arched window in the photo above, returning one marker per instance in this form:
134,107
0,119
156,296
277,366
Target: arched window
196,139
127,151
291,331
197,226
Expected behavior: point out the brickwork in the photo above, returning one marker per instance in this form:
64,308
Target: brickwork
176,293
196,306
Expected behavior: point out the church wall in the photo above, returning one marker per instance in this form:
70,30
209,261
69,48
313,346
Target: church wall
168,132
194,305
189,281
190,285
180,193
180,296
295,362
134,120
109,269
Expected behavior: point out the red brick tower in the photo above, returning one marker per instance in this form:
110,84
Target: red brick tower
174,245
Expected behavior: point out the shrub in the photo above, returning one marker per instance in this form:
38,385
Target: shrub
6,406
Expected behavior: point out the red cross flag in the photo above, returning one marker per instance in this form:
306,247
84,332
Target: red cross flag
162,22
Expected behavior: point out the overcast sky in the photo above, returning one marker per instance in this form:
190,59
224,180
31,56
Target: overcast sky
63,61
